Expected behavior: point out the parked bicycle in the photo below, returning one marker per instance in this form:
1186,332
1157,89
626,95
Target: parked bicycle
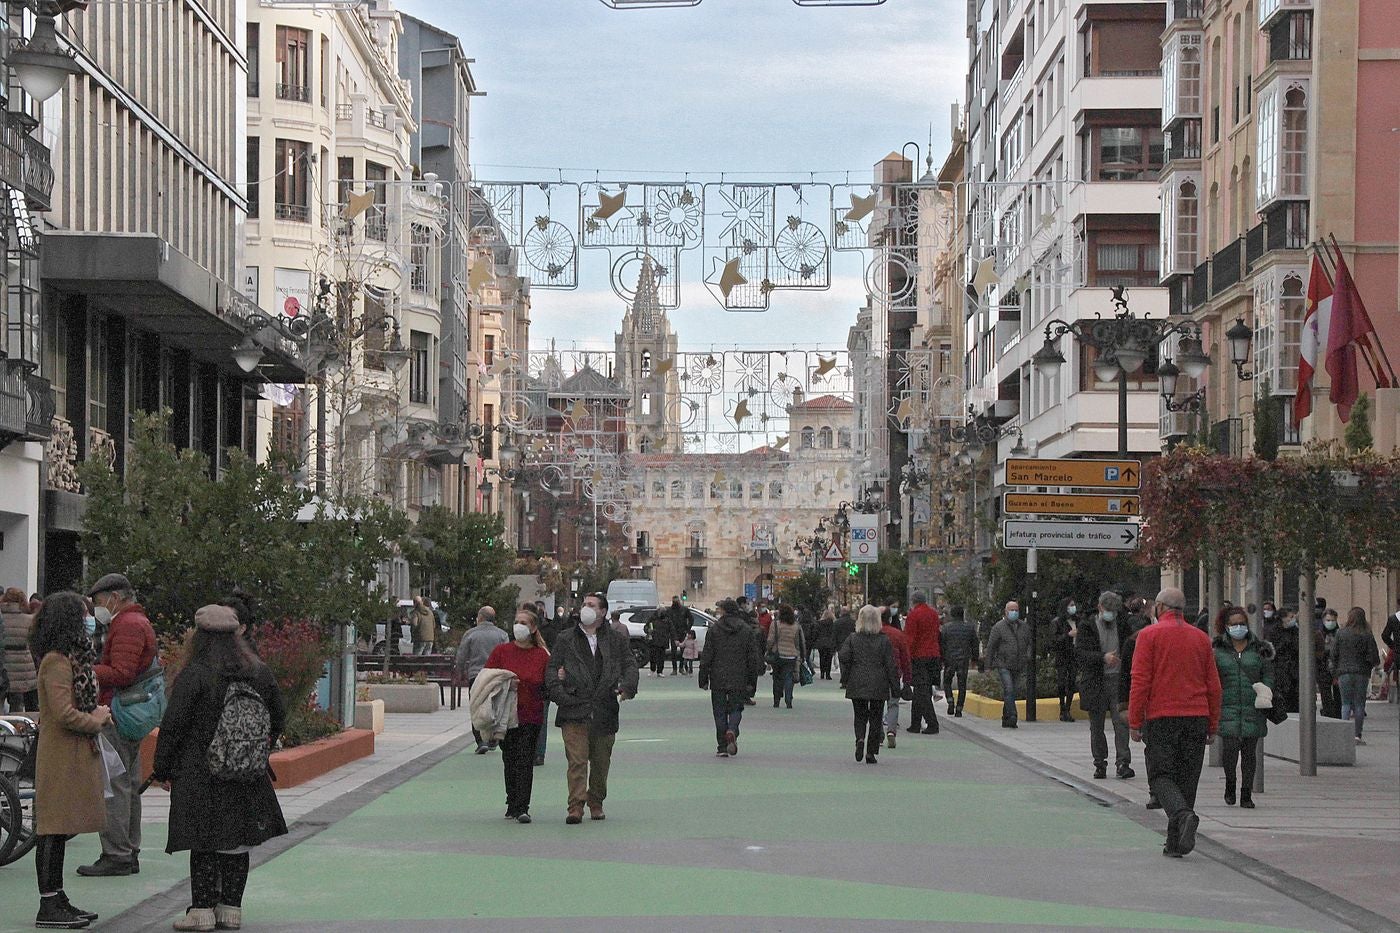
17,737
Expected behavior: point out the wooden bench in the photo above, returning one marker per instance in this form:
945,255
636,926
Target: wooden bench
440,669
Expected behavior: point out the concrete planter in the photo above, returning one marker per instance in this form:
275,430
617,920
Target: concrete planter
369,715
406,698
1046,709
298,765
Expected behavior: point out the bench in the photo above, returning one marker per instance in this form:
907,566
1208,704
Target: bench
440,669
1336,740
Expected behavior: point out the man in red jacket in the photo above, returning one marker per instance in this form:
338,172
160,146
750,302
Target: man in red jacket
1174,704
127,652
921,628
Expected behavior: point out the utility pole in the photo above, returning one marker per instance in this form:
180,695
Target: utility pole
1032,558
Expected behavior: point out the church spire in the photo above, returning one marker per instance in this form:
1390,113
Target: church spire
646,307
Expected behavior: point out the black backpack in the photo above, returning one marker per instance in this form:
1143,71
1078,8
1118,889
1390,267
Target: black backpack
242,739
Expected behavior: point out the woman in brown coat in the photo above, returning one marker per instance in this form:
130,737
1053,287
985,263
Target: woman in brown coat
19,663
69,778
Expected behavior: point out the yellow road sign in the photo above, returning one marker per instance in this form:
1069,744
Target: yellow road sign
1109,474
1047,503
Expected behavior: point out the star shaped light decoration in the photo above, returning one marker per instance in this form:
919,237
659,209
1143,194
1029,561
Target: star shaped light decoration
825,366
612,209
579,411
904,413
726,275
860,207
479,275
741,411
357,205
747,213
986,274
663,367
781,442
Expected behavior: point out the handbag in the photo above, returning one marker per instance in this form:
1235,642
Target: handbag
906,693
138,709
805,676
1278,712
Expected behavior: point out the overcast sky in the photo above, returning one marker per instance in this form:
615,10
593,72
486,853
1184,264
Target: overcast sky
739,86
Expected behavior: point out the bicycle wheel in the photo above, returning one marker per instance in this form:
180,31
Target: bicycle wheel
11,820
23,789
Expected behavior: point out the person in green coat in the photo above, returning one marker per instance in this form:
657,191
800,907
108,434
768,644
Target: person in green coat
1244,661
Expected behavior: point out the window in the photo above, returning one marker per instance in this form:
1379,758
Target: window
756,490
345,176
252,52
646,364
99,367
824,439
254,172
843,438
418,252
1123,258
1144,378
488,349
809,438
293,64
1188,225
376,219
1127,153
488,421
697,489
419,371
325,72
775,489
695,538
677,489
658,489
736,489
1293,160
1122,47
646,403
291,182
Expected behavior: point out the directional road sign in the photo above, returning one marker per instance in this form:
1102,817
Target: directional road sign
1071,535
1049,503
1110,474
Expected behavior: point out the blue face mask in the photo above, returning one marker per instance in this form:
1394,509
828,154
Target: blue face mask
1291,623
1013,615
1238,632
90,624
1108,615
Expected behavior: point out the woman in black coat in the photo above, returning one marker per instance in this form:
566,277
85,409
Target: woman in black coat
870,677
210,817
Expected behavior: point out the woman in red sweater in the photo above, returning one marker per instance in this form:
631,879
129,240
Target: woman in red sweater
525,657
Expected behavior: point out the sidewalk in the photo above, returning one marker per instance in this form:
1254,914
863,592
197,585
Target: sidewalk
1339,830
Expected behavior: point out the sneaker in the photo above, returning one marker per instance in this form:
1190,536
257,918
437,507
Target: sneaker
1126,772
1360,740
1153,803
1169,852
53,915
511,814
523,818
931,730
957,713
1100,772
480,750
492,746
721,753
539,761
889,739
731,743
1186,840
85,914
1246,803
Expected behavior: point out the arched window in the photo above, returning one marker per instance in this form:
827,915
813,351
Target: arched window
646,403
1293,163
824,439
1188,225
1292,304
1189,88
809,438
843,438
646,363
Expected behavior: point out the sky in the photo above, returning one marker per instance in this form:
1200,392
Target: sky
760,87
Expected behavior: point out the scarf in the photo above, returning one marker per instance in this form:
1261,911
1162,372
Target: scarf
83,655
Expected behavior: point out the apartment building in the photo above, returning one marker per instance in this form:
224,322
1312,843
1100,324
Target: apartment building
1064,151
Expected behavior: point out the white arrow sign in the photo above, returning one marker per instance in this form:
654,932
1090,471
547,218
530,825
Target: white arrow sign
1071,536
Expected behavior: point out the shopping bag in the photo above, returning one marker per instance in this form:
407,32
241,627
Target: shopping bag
112,767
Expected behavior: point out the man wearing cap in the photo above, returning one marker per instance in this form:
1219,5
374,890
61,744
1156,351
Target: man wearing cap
128,651
1099,649
1174,705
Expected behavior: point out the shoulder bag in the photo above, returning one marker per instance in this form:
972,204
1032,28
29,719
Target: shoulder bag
138,709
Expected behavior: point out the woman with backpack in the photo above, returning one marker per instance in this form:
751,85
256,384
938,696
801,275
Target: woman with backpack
225,714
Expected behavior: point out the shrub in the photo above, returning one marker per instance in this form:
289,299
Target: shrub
989,685
296,653
308,724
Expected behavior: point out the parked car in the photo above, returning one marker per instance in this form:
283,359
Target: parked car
632,594
405,646
637,618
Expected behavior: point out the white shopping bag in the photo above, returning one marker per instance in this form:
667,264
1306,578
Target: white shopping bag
112,766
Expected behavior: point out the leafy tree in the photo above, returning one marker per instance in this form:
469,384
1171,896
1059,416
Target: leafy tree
1358,430
889,578
1064,575
806,592
463,562
1267,418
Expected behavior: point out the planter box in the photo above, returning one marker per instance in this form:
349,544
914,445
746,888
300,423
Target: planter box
406,698
298,765
1046,709
370,715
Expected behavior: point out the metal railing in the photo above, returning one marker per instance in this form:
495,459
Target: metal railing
37,172
1225,268
1184,9
40,409
1200,285
1253,246
695,553
297,92
298,212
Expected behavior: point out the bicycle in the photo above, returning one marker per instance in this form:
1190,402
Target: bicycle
17,737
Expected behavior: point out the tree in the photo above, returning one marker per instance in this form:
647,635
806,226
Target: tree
462,562
1358,430
889,578
807,592
1268,416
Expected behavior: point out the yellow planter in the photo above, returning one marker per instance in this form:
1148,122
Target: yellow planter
1046,710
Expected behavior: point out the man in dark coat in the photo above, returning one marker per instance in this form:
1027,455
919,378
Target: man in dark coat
1063,629
824,636
590,669
958,642
659,641
729,668
1008,649
1099,648
845,626
679,618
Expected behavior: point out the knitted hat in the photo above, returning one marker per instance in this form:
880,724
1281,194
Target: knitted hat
216,619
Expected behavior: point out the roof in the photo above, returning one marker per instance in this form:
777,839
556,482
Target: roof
588,382
824,403
684,461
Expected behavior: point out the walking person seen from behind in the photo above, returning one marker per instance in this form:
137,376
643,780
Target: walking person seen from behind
958,641
1174,706
225,714
786,645
1354,656
69,774
1244,662
590,670
1099,647
526,657
824,634
424,626
729,669
472,654
870,677
889,627
921,628
1008,647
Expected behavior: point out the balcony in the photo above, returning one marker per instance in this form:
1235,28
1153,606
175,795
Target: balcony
297,212
1226,267
36,173
1286,226
1291,39
1183,9
297,92
1270,10
695,553
1184,142
1200,285
1253,247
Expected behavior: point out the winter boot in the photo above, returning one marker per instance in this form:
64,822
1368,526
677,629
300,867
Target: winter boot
196,918
231,918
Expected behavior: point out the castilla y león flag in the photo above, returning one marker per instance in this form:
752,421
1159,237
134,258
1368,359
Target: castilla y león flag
1316,318
1350,334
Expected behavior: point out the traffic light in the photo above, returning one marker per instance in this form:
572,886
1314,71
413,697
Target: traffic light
685,596
852,568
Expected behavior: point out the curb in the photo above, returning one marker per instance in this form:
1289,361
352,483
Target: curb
1324,902
156,910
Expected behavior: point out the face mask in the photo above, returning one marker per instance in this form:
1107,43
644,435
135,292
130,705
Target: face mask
1268,613
1013,615
1329,624
1291,623
103,615
1238,632
587,615
522,632
90,624
1073,610
1108,615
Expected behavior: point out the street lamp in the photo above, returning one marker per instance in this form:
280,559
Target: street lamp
247,355
1239,337
1124,342
40,63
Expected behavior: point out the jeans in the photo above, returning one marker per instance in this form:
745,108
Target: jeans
121,837
783,671
1098,740
217,878
518,758
925,673
1176,752
423,647
955,671
728,707
543,740
892,715
589,757
24,702
868,714
1010,680
1235,750
1354,689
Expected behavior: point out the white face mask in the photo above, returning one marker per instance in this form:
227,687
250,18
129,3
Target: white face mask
522,632
587,615
1268,613
102,614
1073,610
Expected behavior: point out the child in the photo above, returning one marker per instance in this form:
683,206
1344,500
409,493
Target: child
690,650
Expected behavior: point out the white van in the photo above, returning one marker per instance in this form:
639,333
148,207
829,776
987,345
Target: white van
628,594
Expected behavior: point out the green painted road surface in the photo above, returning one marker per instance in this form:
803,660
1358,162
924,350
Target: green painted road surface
942,834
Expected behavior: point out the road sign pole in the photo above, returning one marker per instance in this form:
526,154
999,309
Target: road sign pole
1032,691
865,588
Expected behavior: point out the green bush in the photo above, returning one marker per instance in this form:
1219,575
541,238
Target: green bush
989,685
